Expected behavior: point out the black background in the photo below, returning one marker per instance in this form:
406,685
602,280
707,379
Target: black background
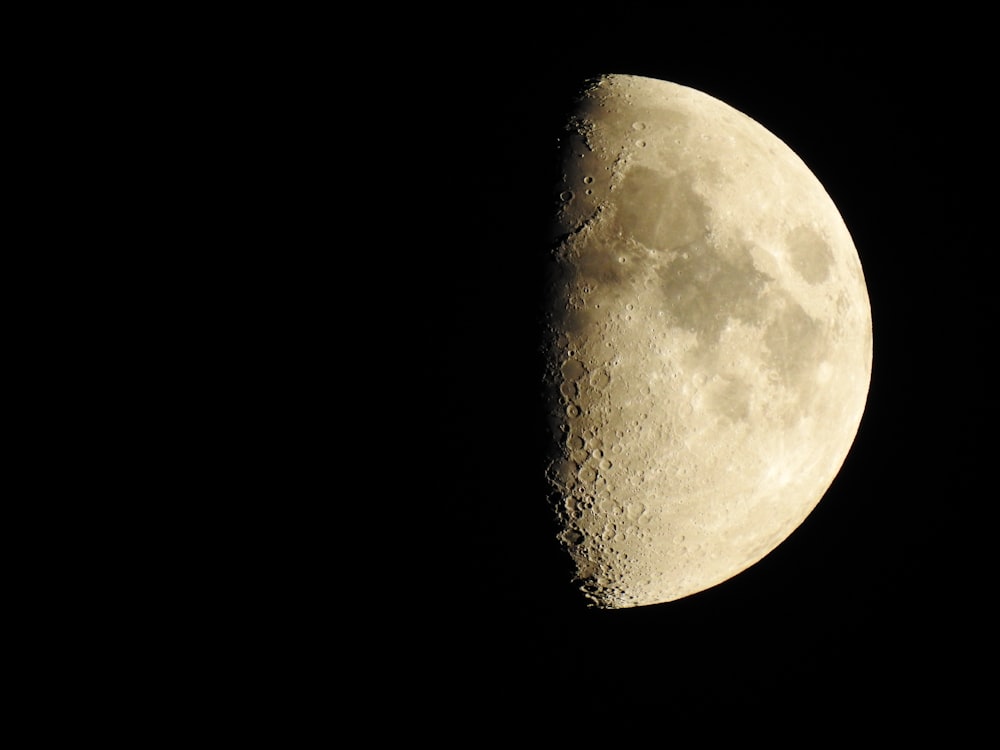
403,239
877,607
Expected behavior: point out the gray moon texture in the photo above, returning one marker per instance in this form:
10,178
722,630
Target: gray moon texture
708,342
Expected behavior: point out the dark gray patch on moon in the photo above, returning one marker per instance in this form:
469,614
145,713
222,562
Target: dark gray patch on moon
660,212
809,254
795,344
704,288
730,400
600,259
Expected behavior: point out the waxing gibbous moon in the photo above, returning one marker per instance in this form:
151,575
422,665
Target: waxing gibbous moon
708,339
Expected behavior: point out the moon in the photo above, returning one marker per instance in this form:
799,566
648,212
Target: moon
708,342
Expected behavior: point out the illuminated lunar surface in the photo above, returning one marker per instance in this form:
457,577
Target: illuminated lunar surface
709,342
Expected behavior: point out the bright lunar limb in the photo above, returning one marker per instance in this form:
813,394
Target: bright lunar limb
709,342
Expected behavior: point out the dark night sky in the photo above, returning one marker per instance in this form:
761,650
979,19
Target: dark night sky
877,605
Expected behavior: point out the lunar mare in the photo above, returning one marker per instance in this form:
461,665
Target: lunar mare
709,342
